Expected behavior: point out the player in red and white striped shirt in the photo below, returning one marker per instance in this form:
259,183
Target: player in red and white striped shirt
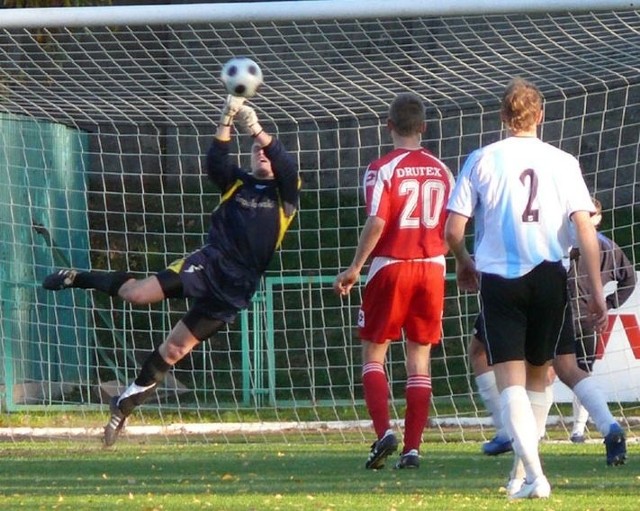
406,194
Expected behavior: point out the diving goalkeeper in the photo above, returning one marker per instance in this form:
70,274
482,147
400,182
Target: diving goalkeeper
246,228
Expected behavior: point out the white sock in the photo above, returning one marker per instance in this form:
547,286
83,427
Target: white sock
593,399
517,471
540,408
548,391
488,391
520,422
580,417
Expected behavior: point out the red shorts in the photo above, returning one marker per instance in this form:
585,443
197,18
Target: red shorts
401,295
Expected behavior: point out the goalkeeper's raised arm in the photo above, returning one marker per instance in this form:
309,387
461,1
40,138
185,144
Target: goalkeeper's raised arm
269,157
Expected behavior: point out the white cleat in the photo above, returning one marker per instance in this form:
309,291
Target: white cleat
538,489
514,485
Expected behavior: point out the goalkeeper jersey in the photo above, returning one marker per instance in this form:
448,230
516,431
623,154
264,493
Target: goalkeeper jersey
522,193
253,215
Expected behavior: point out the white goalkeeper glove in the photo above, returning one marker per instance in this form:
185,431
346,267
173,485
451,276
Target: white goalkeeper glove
247,121
230,108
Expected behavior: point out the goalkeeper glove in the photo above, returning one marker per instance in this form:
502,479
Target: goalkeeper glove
247,121
230,108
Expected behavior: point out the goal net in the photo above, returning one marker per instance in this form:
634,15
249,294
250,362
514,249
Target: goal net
106,114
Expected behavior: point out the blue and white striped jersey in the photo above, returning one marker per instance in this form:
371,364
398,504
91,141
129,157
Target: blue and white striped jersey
522,193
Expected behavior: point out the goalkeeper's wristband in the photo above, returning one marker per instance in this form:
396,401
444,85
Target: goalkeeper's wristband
226,120
255,129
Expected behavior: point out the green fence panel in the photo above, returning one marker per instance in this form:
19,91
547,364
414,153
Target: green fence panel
43,226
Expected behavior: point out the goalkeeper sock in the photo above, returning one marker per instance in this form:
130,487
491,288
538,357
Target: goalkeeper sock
376,396
418,396
153,371
134,395
108,282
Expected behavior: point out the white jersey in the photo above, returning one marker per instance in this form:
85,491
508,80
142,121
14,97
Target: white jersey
522,193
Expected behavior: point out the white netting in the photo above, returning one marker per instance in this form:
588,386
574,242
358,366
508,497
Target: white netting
103,134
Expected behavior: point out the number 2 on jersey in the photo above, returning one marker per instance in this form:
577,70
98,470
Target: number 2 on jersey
430,194
530,214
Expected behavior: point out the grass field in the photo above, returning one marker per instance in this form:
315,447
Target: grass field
190,476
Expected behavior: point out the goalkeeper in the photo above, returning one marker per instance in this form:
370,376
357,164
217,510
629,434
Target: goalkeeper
246,228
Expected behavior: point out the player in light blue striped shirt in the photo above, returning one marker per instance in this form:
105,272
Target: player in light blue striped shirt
530,203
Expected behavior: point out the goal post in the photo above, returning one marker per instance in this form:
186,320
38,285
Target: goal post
307,10
106,114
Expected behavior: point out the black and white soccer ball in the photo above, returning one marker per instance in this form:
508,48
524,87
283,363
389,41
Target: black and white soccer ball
241,77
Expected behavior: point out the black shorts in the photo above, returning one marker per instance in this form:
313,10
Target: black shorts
566,344
219,288
526,318
586,345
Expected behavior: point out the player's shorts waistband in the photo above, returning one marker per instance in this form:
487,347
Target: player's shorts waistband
381,262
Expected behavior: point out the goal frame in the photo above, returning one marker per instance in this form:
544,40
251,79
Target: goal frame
312,10
284,11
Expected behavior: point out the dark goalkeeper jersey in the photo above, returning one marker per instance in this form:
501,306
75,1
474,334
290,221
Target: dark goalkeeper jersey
253,215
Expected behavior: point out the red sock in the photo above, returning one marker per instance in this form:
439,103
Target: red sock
418,396
376,396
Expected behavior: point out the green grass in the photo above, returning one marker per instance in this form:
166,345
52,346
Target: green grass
191,476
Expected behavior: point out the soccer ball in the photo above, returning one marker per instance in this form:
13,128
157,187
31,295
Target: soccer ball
241,77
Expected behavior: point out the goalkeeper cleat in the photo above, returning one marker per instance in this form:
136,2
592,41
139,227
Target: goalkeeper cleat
538,489
62,279
615,445
496,446
380,450
409,459
116,422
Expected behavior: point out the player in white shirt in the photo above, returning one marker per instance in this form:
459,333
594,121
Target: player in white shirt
530,202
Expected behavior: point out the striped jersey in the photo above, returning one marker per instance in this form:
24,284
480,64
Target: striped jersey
522,193
408,189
